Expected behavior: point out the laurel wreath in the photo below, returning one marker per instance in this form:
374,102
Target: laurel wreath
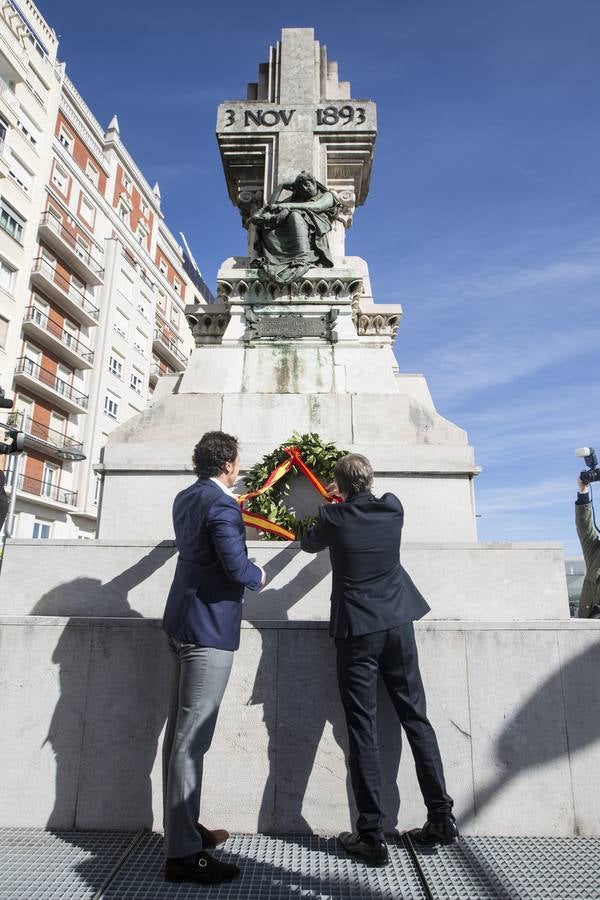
318,455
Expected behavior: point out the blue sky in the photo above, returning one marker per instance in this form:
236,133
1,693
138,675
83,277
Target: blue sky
483,218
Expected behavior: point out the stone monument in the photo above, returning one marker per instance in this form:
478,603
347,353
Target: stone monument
295,341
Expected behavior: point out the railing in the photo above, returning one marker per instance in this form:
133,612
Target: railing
14,44
170,345
50,436
79,297
29,367
69,238
46,489
33,314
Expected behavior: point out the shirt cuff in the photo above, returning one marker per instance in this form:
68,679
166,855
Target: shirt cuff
583,498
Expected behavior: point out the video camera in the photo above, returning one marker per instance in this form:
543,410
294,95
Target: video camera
592,473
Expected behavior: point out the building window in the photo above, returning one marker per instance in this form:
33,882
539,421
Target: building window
126,181
136,381
66,139
111,406
41,530
141,234
97,489
82,249
174,316
162,267
144,208
60,179
121,323
124,214
7,277
11,221
19,173
29,129
177,286
162,301
115,367
3,130
87,211
140,341
3,331
92,173
49,481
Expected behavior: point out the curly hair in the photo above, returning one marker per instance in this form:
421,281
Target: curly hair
212,452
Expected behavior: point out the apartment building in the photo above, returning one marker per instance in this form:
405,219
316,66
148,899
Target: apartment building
95,283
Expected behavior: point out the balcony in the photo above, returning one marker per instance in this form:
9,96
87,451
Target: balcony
47,493
63,343
169,351
64,242
14,53
46,384
9,105
74,301
47,440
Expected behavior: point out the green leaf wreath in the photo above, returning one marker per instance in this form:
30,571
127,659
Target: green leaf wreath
318,455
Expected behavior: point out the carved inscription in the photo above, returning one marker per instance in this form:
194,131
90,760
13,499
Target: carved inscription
270,118
344,115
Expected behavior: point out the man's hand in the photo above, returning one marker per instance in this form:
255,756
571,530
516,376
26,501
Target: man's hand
582,487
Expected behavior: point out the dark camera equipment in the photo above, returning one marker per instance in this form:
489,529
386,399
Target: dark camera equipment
4,403
592,473
16,441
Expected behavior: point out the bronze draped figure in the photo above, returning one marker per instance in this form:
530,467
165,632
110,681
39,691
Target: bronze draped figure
292,234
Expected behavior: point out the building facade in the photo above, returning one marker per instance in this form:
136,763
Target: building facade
93,285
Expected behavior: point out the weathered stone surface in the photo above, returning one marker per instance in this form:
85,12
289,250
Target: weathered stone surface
469,582
214,370
503,722
520,743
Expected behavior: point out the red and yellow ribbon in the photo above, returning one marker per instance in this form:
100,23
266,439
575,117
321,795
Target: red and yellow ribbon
295,461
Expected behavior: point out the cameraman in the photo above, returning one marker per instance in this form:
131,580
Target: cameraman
589,538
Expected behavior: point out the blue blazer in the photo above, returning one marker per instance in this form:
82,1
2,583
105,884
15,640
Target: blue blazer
370,589
204,605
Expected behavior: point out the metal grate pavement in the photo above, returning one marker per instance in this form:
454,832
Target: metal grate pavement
57,865
274,868
511,868
42,865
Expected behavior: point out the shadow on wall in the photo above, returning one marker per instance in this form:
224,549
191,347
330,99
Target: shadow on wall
560,718
104,761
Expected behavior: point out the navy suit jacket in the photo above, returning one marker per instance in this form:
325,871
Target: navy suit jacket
370,589
204,605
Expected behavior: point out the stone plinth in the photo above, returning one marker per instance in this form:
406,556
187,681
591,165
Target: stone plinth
516,708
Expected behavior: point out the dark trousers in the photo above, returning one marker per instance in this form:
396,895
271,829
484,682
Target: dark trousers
392,653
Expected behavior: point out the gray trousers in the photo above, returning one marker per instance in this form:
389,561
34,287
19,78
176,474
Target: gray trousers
200,676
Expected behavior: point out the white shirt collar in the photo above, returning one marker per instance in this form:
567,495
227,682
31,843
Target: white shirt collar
224,487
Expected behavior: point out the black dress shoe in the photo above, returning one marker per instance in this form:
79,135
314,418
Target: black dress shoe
200,868
211,839
375,853
443,831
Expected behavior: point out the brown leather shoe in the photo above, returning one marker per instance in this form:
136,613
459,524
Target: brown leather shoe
199,868
211,839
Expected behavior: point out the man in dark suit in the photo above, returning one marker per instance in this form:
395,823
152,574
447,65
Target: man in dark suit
202,619
373,606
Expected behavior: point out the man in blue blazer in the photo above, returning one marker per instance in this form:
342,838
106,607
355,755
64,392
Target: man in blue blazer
202,619
373,606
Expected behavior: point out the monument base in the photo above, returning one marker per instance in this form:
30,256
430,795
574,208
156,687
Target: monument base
516,707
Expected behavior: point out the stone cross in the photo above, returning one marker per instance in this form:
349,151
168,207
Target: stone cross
298,116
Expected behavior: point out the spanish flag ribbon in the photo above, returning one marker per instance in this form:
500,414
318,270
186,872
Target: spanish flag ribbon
295,460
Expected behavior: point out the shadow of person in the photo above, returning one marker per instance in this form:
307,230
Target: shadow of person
112,707
560,718
304,705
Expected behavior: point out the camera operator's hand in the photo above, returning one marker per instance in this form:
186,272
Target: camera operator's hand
582,487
